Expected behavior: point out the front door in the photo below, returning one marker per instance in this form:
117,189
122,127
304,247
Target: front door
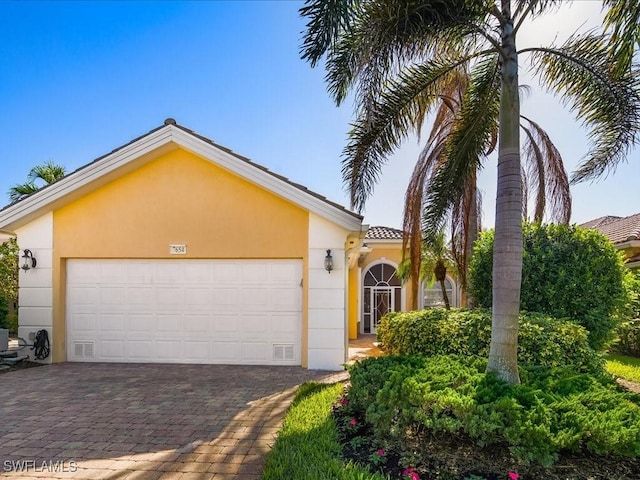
381,294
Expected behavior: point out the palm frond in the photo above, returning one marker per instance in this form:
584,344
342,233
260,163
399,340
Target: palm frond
581,73
20,191
623,21
49,172
378,132
386,36
327,19
546,174
470,139
465,226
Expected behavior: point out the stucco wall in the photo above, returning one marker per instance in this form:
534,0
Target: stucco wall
178,198
35,311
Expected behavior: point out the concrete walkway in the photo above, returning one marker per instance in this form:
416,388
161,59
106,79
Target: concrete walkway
143,421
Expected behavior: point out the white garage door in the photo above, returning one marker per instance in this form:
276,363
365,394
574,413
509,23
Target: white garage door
184,311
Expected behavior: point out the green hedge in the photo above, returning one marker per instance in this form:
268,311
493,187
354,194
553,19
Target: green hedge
542,340
567,272
629,338
406,399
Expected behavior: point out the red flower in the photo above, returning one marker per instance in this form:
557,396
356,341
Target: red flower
381,452
513,476
353,421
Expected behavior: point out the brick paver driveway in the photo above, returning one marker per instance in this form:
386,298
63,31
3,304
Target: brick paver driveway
142,421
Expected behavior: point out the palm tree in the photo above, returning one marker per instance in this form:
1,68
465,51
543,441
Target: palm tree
545,175
435,260
394,54
46,173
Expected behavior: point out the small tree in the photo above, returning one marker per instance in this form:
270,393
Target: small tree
568,272
8,277
44,174
435,261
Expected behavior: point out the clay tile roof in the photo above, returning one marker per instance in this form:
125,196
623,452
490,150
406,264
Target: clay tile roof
383,233
617,229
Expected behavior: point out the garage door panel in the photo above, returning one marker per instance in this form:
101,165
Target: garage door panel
198,298
227,272
138,325
225,299
141,350
113,272
83,322
168,350
226,324
255,299
111,350
168,324
171,298
255,352
140,273
112,296
111,322
283,323
197,324
185,311
83,296
285,274
196,351
226,352
285,299
254,325
168,273
138,296
254,273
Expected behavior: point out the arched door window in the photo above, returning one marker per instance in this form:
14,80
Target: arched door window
382,293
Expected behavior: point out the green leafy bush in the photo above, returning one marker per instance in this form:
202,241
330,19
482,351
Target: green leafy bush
629,338
542,340
568,272
632,285
4,311
409,400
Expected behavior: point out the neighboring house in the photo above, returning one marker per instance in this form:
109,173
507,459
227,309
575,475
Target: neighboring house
375,289
624,232
174,249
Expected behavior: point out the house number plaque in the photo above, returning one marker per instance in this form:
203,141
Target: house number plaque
177,249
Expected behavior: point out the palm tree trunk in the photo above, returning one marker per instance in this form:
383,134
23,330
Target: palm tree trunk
507,253
471,235
445,297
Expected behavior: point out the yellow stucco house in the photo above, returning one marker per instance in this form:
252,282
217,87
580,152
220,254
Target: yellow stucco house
174,249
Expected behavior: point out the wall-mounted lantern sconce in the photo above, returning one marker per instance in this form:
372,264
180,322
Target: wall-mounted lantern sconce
328,262
28,260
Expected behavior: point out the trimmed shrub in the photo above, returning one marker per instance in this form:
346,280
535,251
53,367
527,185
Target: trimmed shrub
632,285
542,340
629,338
4,311
568,272
553,410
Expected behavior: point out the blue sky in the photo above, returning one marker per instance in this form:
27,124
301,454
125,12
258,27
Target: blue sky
79,79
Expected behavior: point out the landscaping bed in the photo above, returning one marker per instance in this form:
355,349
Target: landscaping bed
444,418
18,366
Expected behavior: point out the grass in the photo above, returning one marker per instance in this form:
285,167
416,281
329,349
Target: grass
623,367
307,446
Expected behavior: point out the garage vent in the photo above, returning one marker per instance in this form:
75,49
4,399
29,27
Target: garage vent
83,349
283,351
